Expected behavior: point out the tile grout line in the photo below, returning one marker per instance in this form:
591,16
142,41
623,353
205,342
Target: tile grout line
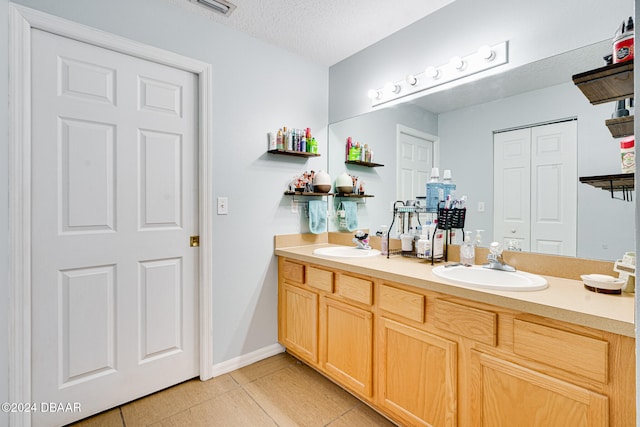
255,401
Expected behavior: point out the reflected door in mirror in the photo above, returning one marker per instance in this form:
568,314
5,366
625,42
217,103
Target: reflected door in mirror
535,184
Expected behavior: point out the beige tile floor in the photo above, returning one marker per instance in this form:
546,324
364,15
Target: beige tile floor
278,391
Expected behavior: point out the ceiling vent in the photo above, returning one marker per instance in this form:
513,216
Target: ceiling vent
219,6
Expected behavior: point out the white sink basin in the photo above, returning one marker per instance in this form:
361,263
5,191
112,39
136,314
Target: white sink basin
479,277
345,252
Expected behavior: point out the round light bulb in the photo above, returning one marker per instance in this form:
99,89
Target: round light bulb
411,80
486,53
391,87
457,62
432,72
374,94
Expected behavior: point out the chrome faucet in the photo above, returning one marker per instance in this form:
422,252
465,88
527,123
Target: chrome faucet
361,239
495,258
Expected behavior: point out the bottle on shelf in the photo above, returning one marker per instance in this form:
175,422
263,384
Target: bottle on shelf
448,185
423,248
435,191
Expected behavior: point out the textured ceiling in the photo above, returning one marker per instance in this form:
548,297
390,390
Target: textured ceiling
324,31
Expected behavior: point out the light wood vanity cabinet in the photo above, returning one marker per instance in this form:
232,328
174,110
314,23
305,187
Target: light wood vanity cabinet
325,319
346,337
428,359
507,394
417,374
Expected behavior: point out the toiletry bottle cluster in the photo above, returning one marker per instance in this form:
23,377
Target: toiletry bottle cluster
358,152
439,191
430,241
293,140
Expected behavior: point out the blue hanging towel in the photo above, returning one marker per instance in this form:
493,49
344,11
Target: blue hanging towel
351,214
317,216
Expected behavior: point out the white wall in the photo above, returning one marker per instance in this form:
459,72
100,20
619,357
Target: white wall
256,89
534,29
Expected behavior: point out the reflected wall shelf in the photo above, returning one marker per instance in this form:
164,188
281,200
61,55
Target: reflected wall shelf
306,193
357,196
367,164
606,84
310,194
293,153
613,183
620,126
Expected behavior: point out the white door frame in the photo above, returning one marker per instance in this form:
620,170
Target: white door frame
22,21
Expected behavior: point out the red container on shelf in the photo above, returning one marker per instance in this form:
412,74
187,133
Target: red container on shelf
623,43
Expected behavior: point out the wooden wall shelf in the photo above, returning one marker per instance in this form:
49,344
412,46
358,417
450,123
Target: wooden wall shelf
359,196
293,153
623,183
306,193
606,84
620,126
367,164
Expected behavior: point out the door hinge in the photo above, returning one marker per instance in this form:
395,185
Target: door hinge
194,241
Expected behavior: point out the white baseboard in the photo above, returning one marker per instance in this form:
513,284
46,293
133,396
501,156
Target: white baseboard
246,359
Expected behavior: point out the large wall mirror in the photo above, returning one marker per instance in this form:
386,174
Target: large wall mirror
460,124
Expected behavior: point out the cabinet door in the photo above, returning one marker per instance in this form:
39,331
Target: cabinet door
347,337
506,394
418,375
300,322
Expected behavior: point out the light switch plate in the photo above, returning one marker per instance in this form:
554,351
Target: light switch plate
223,206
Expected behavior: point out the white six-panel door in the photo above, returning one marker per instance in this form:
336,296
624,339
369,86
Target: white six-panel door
114,203
535,188
512,187
417,154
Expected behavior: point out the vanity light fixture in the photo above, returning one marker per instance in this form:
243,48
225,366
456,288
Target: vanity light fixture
391,87
457,63
486,53
458,67
432,72
374,94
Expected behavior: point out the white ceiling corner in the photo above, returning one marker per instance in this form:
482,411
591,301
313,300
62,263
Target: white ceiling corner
322,31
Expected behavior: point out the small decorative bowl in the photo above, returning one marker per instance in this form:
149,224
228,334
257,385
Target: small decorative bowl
602,283
322,188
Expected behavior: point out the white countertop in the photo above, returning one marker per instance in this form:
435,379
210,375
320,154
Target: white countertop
566,300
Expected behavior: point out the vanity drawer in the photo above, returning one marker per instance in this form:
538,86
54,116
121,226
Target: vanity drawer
403,303
320,279
293,271
474,323
356,289
569,351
